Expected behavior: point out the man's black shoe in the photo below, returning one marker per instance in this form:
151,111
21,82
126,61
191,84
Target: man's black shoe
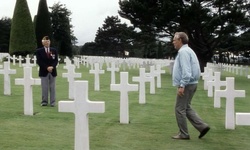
204,132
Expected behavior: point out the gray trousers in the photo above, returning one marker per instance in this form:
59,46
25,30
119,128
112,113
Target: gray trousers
184,111
48,87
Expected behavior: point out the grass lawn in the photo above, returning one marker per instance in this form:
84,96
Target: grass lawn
151,124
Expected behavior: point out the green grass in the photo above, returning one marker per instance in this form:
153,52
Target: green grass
151,125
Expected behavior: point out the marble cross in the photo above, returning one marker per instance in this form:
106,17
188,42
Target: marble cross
27,62
216,84
113,69
67,62
158,72
230,94
71,75
124,87
208,77
142,79
97,72
81,106
34,60
152,82
14,59
20,60
28,82
6,71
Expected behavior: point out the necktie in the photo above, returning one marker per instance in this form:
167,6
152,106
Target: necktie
47,52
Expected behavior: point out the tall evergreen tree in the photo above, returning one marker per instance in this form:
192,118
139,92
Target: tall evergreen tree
5,25
22,36
114,37
61,28
43,22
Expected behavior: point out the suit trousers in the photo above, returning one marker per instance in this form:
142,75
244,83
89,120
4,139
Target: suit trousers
48,88
184,111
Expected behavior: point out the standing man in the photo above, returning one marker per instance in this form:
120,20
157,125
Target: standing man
47,59
186,73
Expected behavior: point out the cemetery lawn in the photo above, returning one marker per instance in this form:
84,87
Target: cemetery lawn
151,124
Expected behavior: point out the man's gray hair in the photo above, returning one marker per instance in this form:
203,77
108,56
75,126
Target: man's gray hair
183,36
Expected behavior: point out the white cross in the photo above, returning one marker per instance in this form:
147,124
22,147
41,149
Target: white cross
152,74
34,60
81,106
27,62
97,72
142,79
230,94
6,71
158,72
208,77
20,60
14,59
67,63
216,83
113,69
124,87
76,62
71,75
27,82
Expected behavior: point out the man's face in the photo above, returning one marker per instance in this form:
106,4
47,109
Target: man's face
46,43
177,42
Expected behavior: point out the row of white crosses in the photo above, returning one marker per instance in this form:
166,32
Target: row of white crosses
27,81
6,71
232,68
229,93
20,59
123,63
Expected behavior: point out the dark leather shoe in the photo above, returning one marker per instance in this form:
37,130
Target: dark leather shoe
44,104
204,132
179,137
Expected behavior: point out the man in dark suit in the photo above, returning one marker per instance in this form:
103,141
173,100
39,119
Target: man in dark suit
47,59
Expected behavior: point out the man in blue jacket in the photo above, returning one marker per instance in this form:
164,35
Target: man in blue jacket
186,73
47,59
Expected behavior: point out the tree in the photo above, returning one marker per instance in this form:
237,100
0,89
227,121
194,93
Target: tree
22,35
42,22
61,29
5,26
208,23
114,37
90,48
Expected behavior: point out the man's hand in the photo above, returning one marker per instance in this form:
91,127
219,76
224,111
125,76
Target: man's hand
50,68
181,91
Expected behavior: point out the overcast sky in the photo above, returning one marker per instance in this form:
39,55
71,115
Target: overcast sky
87,15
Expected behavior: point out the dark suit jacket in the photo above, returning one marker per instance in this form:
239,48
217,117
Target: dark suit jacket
45,61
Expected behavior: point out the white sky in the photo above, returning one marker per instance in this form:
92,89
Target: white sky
87,15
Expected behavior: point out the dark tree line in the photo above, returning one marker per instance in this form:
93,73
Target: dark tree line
20,36
209,23
5,25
